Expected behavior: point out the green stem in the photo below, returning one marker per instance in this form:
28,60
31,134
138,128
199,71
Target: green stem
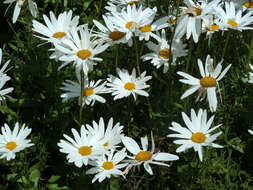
137,56
226,45
250,49
116,55
81,98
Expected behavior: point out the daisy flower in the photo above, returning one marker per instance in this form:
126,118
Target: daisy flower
56,29
118,5
91,91
82,148
190,21
197,133
130,19
162,52
111,135
80,49
19,3
109,34
128,84
146,31
207,84
235,19
3,79
108,165
12,142
143,156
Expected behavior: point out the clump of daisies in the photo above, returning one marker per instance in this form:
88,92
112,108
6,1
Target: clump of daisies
19,4
3,79
196,134
208,82
12,142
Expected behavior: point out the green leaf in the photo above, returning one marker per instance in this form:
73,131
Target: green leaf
55,187
35,176
54,178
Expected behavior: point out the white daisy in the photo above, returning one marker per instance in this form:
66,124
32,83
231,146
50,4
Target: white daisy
19,3
127,84
118,5
109,34
207,84
80,49
235,19
143,155
130,19
107,166
82,148
3,79
250,131
146,31
247,5
12,142
162,52
91,91
190,21
55,29
197,133
111,135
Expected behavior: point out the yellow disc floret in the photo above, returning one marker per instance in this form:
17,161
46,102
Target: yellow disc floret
208,82
83,54
59,34
129,86
88,92
248,4
146,28
11,145
85,150
198,137
132,2
116,35
232,23
143,156
164,53
108,165
130,24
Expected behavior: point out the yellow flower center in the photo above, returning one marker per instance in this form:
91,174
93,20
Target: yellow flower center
85,150
143,156
171,21
232,23
146,28
108,165
11,145
106,144
248,4
83,54
164,53
88,92
198,137
193,11
129,86
132,2
208,82
59,34
116,35
212,27
129,25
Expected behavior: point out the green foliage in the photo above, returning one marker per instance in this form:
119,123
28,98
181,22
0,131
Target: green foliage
36,101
